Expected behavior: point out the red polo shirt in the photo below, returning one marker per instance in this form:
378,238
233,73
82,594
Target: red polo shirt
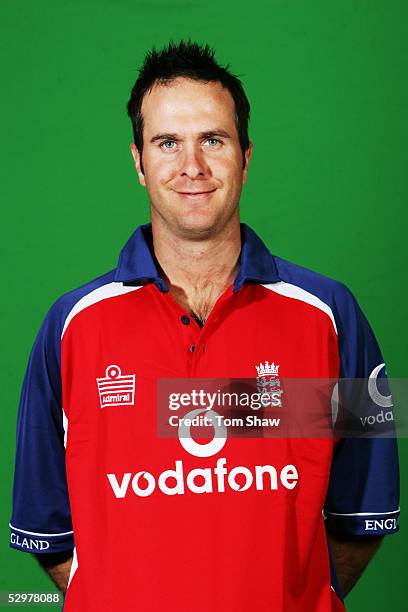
155,523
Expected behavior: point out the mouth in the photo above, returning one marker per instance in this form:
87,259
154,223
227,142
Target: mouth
195,195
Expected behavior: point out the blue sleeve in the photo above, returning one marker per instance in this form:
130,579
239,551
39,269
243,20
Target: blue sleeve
363,493
41,518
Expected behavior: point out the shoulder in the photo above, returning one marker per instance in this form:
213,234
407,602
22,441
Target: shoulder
324,287
333,292
67,304
333,295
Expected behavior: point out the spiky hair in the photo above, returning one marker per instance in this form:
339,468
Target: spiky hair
190,60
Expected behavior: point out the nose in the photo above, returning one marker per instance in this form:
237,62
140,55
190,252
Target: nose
193,163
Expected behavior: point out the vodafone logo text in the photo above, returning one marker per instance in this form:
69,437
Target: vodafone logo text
216,479
204,480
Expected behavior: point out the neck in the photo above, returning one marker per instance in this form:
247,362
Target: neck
198,271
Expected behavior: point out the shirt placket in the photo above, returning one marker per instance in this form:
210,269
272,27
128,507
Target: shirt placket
194,338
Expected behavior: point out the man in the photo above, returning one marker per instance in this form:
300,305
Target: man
234,524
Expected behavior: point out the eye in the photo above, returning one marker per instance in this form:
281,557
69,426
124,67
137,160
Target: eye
213,141
164,145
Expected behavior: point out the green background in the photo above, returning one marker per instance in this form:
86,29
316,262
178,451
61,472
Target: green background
327,187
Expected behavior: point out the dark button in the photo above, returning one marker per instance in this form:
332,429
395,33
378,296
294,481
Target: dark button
192,348
185,319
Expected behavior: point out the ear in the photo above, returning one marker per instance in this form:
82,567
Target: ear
248,154
136,157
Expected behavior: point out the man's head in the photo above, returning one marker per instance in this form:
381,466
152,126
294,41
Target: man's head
190,123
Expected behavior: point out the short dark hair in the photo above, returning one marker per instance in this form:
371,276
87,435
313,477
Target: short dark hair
190,60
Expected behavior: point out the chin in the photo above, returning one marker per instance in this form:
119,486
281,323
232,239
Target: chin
198,228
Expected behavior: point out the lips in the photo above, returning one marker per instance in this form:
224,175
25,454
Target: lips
195,195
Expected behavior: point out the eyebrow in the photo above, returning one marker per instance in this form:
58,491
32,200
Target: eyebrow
207,134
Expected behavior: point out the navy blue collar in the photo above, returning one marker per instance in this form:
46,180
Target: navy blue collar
137,263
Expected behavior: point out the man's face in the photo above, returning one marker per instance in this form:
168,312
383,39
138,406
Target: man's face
192,158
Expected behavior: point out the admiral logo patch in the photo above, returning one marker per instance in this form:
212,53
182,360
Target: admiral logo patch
116,389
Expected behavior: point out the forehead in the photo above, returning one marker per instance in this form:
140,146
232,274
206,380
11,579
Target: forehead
185,103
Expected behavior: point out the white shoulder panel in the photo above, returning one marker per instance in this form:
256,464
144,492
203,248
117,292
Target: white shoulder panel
297,293
102,293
